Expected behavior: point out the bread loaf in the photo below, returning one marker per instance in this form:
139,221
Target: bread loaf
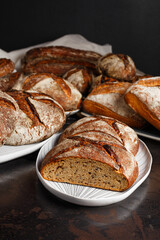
144,98
57,60
6,66
61,90
119,66
8,81
39,117
93,162
8,116
80,78
108,99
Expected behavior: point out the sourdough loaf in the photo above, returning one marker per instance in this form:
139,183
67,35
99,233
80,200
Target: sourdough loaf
6,66
8,116
119,66
90,160
144,98
108,99
39,117
61,90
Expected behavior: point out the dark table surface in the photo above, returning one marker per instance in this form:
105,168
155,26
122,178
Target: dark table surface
29,212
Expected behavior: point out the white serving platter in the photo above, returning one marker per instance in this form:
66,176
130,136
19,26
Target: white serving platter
8,153
88,196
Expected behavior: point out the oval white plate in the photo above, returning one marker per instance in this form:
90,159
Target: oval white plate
88,196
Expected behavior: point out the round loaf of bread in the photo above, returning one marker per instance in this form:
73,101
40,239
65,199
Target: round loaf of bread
119,66
39,117
6,66
8,116
61,90
93,152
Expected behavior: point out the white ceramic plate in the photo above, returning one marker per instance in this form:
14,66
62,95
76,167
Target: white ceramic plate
8,153
148,132
88,196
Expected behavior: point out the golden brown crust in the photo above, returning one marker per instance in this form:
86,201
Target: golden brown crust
57,67
6,66
108,99
62,91
8,116
8,81
144,98
80,77
100,79
119,66
59,53
39,117
57,60
103,129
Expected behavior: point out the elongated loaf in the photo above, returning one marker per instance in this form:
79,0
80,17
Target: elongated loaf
61,90
108,99
39,117
92,157
8,116
144,98
57,60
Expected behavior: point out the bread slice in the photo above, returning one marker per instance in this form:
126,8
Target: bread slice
77,160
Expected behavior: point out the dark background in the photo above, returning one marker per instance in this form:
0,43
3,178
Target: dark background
131,26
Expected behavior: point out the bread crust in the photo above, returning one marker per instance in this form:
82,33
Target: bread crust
80,77
57,60
144,98
61,52
61,90
108,99
104,128
39,117
6,66
119,66
8,116
71,154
